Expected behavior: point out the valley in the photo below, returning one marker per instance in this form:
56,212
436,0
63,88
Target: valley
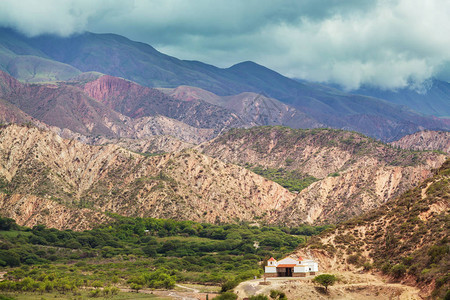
127,173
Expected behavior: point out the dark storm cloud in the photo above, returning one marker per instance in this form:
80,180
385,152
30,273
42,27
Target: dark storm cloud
383,43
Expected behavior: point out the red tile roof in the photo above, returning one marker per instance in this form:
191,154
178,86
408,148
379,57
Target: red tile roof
300,258
286,265
271,259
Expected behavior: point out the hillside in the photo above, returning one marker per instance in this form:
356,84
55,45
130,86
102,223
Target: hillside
355,173
425,140
136,101
407,238
120,57
252,107
41,174
67,105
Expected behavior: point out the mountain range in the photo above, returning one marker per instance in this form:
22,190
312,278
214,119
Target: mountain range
254,90
42,173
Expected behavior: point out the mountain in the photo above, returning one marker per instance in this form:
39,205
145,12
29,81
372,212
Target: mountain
407,238
66,184
118,56
253,108
69,105
425,140
353,173
433,98
136,101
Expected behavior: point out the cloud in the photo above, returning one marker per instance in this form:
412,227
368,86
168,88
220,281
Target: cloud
383,43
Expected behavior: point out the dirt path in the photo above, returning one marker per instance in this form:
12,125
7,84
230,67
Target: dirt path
188,288
194,294
352,287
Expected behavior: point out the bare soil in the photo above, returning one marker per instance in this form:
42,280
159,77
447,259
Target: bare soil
350,287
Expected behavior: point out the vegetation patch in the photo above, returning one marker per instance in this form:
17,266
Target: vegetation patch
294,181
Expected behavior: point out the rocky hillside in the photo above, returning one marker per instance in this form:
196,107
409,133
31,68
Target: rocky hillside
407,238
67,105
355,173
137,101
67,184
252,107
425,140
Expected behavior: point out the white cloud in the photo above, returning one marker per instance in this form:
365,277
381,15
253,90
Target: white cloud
385,43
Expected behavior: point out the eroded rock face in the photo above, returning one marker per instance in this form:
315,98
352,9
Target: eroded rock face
30,210
41,171
425,140
135,101
353,193
356,173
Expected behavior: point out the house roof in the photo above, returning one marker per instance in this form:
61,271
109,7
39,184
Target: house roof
286,265
271,259
300,258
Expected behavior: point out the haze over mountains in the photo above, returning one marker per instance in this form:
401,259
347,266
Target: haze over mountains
309,105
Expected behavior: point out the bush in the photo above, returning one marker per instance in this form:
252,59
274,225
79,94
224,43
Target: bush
367,266
386,268
258,297
398,270
226,296
353,259
229,285
95,293
274,294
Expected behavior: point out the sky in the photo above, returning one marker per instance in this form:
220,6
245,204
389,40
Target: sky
387,44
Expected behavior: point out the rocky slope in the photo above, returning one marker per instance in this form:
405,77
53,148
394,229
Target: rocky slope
137,101
356,173
425,140
45,178
252,107
157,144
66,105
407,238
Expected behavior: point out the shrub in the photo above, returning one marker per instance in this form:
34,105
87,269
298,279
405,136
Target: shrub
274,294
386,268
228,285
95,293
353,259
398,270
226,296
367,266
258,297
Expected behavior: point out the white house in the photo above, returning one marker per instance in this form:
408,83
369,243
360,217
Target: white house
290,267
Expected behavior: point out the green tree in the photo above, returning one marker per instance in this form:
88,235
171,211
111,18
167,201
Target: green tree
136,287
325,280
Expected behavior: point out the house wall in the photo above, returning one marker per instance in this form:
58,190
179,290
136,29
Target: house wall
270,270
300,269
